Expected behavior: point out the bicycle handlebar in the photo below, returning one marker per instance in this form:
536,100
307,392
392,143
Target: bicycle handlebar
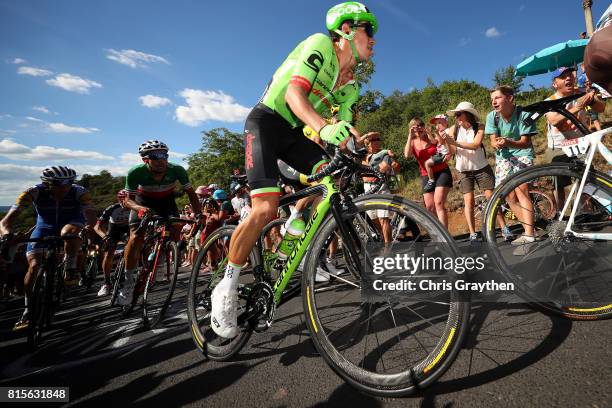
340,161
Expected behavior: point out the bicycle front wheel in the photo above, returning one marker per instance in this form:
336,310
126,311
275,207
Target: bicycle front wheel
160,285
391,346
559,272
207,271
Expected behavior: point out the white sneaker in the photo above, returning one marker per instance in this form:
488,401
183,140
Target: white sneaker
124,297
104,290
322,275
224,313
523,239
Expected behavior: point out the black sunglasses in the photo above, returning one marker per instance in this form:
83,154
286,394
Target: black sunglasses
158,156
457,114
368,29
57,183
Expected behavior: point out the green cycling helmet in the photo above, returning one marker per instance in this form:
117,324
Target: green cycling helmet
350,10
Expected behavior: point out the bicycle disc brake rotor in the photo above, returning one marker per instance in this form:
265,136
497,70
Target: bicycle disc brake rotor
261,299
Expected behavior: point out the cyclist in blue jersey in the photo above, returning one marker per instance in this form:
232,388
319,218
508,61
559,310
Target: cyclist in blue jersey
62,207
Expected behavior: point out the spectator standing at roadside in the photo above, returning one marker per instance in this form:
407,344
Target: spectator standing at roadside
510,131
419,146
442,153
465,141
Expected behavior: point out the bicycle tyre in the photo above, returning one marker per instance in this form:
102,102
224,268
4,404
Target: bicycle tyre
201,333
37,311
153,312
116,279
600,311
441,356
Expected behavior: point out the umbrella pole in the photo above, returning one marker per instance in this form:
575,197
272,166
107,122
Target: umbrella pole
588,16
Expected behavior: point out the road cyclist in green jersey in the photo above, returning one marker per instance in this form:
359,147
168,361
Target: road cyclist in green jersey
316,75
150,188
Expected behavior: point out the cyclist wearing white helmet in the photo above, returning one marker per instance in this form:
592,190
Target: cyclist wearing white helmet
151,187
316,75
62,207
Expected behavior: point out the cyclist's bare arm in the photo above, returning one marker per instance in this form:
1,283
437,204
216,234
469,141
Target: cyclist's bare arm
100,229
297,99
132,205
6,225
193,200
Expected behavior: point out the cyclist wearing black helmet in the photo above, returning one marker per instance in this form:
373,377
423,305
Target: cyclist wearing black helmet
62,207
150,188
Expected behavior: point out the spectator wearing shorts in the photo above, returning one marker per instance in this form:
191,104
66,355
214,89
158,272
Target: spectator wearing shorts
465,142
510,131
420,146
442,153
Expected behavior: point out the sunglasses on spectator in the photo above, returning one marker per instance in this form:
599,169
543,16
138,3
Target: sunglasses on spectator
420,125
158,156
369,30
457,114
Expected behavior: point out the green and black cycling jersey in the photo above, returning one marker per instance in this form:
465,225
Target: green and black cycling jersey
312,65
272,131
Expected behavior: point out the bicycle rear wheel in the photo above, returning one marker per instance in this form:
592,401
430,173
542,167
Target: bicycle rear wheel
390,347
160,285
207,271
560,274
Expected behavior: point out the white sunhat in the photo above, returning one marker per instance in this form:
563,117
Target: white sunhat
463,107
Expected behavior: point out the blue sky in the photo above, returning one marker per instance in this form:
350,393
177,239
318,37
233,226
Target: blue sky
85,82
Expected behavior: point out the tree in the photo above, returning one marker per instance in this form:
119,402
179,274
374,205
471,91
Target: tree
221,151
364,72
505,76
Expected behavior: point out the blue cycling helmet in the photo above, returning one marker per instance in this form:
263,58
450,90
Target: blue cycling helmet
220,195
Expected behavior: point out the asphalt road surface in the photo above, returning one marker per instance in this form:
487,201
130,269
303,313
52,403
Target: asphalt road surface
513,356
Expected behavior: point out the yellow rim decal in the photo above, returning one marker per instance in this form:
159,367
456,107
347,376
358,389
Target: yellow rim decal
314,325
196,336
492,215
439,356
595,309
604,181
382,203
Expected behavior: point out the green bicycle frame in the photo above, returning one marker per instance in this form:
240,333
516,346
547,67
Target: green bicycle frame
311,229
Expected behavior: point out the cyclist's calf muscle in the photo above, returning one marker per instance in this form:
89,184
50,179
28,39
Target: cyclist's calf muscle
263,211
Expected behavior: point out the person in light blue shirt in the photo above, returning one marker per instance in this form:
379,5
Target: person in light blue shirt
510,134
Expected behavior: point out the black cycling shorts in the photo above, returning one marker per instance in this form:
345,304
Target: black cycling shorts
162,207
268,137
117,232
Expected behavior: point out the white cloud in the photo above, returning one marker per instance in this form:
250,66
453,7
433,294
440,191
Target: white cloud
15,151
133,58
33,71
30,118
41,109
18,61
463,41
73,83
208,105
7,132
492,33
6,116
62,128
152,101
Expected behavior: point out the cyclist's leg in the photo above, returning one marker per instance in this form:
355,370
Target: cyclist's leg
71,248
131,255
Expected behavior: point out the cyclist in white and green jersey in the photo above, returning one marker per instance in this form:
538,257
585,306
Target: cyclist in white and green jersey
316,75
150,188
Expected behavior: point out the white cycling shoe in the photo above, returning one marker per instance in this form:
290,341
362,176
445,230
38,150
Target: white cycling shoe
104,290
224,313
